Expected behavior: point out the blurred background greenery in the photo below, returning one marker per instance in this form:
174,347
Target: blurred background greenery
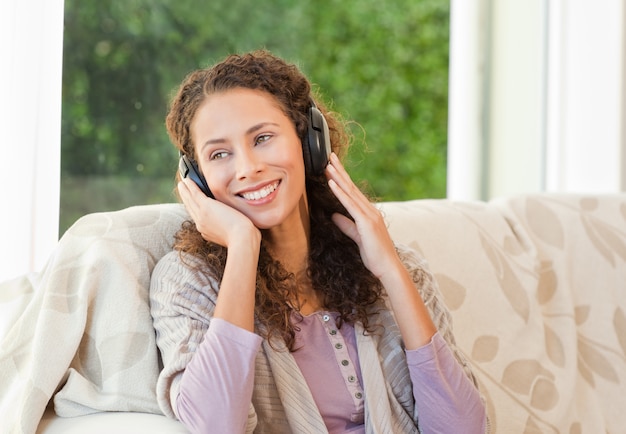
383,66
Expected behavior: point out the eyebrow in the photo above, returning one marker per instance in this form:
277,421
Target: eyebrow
251,130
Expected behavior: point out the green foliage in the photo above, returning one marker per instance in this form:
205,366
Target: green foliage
383,66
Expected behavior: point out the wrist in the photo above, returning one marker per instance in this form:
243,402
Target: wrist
247,239
395,275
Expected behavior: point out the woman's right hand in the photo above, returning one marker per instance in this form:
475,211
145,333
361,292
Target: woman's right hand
224,225
216,221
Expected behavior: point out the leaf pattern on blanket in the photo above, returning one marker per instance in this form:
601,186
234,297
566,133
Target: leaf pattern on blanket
485,348
592,361
581,314
63,304
529,377
544,223
453,292
548,282
575,428
509,282
531,426
135,353
619,323
15,289
554,346
512,246
88,359
608,240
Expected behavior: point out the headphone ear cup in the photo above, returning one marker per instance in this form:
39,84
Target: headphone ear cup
317,150
189,169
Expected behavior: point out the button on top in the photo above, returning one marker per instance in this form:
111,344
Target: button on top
345,362
333,332
338,346
326,317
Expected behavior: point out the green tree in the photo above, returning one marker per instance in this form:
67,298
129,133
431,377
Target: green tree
385,67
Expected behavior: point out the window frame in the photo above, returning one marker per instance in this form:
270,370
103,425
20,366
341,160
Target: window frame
537,98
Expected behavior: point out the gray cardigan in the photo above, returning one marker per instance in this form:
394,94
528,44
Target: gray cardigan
182,303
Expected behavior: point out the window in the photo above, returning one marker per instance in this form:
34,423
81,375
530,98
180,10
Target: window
385,68
580,62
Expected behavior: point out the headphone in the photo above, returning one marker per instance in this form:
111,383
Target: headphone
315,150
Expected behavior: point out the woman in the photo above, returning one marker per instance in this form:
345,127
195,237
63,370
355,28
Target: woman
286,307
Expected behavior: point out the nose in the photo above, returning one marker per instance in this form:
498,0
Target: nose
248,163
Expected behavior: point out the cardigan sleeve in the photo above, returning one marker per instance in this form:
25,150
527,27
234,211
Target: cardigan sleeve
215,390
446,399
193,346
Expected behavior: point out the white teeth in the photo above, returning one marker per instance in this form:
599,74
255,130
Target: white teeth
260,194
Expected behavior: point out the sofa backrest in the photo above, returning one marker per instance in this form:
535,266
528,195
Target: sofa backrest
537,288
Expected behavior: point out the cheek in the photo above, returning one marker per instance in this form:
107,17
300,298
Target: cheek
217,179
294,158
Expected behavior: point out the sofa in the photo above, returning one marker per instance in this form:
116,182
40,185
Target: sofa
536,285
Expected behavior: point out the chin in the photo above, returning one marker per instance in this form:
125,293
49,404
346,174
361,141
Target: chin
264,224
269,220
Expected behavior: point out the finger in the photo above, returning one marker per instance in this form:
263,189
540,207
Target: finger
335,172
346,226
355,202
190,197
336,163
346,200
184,194
193,190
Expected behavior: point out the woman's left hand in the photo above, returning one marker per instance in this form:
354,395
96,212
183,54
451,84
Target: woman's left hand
368,230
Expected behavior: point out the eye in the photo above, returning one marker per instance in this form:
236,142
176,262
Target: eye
218,155
262,139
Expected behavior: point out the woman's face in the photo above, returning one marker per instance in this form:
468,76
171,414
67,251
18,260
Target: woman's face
251,156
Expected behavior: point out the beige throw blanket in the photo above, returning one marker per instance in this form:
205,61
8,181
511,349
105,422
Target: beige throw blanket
82,326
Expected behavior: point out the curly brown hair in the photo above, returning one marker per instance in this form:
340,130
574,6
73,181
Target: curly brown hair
335,267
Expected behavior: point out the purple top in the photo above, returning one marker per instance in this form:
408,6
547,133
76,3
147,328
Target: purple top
446,399
328,359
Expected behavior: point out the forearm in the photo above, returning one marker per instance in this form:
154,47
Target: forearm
411,314
236,299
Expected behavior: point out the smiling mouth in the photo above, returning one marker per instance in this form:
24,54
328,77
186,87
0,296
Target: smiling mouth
261,193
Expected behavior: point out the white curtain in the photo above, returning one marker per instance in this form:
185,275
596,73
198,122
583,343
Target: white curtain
537,97
31,50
